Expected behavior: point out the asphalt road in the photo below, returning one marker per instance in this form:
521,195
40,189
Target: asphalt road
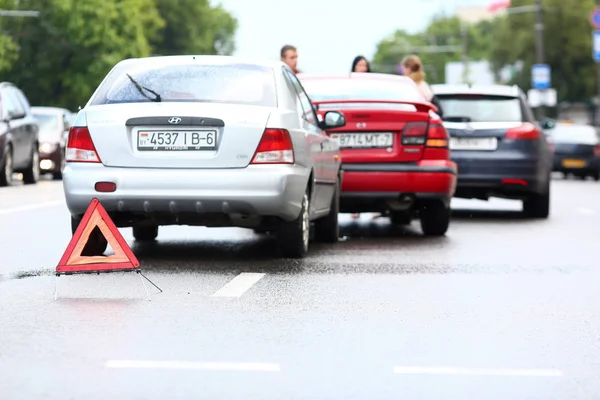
501,308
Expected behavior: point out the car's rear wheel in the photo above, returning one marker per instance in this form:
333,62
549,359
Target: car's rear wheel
293,236
596,176
32,174
97,243
145,233
6,168
538,204
435,217
57,175
327,229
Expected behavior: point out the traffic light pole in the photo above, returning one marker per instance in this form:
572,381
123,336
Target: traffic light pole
539,43
597,113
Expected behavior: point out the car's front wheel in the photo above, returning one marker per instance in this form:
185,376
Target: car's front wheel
293,236
96,244
327,229
145,233
435,217
6,168
32,174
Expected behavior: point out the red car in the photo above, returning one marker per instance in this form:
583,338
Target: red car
395,155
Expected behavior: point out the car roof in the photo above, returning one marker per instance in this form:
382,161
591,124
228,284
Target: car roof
49,110
203,60
493,90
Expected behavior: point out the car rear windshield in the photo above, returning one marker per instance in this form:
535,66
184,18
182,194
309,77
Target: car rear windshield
575,134
475,108
46,121
361,89
231,83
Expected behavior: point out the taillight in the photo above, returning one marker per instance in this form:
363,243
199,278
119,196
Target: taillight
597,150
414,134
527,131
275,147
80,147
437,136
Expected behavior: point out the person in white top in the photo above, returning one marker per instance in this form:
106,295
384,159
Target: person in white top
413,68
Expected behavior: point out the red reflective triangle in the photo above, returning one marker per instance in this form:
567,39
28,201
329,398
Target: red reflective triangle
73,262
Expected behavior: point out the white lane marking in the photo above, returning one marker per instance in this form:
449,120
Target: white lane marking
476,371
587,211
238,285
30,207
212,366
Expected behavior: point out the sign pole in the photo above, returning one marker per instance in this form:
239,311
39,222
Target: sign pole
539,41
595,21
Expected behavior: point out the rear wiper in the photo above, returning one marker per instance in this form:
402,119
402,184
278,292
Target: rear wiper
457,119
141,89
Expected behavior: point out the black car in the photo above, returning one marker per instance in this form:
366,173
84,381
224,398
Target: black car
499,148
19,145
576,150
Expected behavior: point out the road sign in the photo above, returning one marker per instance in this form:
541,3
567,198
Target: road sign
540,76
596,45
73,262
595,18
537,98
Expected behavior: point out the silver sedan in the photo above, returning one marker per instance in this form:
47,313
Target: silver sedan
206,141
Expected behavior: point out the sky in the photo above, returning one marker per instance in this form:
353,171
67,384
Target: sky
328,33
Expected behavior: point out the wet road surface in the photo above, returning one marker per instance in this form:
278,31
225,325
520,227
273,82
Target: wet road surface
501,308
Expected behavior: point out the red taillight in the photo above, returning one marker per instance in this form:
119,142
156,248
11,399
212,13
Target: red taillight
80,147
414,134
597,150
275,147
527,131
437,136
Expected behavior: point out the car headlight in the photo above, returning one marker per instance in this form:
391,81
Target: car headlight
47,147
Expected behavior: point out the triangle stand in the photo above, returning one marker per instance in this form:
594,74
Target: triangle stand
73,262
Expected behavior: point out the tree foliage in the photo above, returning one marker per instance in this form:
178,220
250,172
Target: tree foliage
60,58
506,40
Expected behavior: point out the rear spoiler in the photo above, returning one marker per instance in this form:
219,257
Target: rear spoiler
420,106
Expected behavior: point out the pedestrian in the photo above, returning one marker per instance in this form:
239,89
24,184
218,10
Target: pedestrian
360,64
413,68
289,55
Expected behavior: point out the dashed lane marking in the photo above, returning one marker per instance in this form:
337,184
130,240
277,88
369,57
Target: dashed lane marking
30,207
238,285
412,370
210,366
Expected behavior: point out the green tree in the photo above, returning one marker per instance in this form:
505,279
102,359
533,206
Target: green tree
67,51
194,27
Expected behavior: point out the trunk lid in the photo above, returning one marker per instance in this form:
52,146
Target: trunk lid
374,135
139,135
485,136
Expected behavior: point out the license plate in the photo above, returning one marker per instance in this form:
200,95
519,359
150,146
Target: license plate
364,140
176,140
486,144
568,163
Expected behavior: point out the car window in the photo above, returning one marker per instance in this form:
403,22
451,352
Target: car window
574,134
47,121
294,92
11,103
232,83
480,108
22,98
362,89
309,112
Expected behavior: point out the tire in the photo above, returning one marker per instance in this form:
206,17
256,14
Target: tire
57,176
6,168
97,243
293,236
327,229
435,218
596,176
538,205
32,174
145,233
400,218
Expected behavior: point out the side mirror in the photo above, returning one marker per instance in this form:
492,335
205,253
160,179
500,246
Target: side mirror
547,124
333,119
13,115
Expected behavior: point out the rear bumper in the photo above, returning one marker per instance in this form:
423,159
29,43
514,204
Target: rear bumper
592,164
503,177
368,186
264,190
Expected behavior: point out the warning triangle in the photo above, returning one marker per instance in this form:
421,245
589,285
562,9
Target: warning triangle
73,262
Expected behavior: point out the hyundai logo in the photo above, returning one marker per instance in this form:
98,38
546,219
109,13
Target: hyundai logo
174,120
361,125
